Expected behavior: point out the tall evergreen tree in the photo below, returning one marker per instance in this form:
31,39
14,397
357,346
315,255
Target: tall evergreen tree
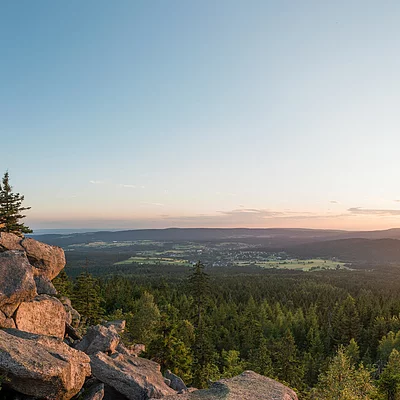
200,288
144,322
389,381
343,381
63,284
87,299
204,366
11,209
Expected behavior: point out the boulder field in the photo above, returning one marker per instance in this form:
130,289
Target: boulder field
43,358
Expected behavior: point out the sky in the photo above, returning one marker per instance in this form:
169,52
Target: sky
151,114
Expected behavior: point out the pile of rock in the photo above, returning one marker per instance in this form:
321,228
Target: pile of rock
27,299
41,357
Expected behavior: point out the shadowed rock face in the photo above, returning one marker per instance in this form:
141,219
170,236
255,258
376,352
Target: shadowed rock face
99,338
247,386
42,366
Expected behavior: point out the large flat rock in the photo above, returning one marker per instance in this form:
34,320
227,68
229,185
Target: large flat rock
247,386
44,315
134,377
41,366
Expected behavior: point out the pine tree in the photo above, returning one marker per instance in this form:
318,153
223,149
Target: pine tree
343,381
87,299
170,351
144,322
231,363
204,366
200,289
389,381
11,209
63,284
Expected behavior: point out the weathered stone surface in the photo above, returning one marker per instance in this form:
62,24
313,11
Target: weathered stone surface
134,377
9,241
9,309
247,386
73,317
65,301
119,325
99,338
44,286
16,278
44,315
6,322
176,382
133,350
41,366
48,260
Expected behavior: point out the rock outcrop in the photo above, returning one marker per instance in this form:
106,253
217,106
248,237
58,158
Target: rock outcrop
16,278
26,269
175,382
44,315
47,260
134,377
247,386
44,286
99,338
41,366
73,318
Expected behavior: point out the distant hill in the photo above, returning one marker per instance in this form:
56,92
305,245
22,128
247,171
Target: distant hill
269,237
352,250
194,234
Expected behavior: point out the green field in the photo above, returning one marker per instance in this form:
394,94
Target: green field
155,260
304,265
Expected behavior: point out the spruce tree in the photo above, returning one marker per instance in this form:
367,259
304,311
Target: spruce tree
63,284
87,299
11,209
200,289
389,381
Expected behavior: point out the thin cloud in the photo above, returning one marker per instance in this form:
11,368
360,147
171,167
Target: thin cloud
93,182
250,216
373,211
152,204
259,212
124,185
334,202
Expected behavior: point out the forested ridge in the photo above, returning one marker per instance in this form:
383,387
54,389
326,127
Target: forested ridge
326,334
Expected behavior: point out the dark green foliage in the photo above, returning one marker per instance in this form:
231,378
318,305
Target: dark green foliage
344,381
199,289
286,325
87,300
63,284
389,381
145,319
11,209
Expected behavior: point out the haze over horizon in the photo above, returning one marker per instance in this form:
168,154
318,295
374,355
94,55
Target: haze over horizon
129,115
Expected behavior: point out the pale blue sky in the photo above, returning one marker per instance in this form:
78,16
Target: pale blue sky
132,114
